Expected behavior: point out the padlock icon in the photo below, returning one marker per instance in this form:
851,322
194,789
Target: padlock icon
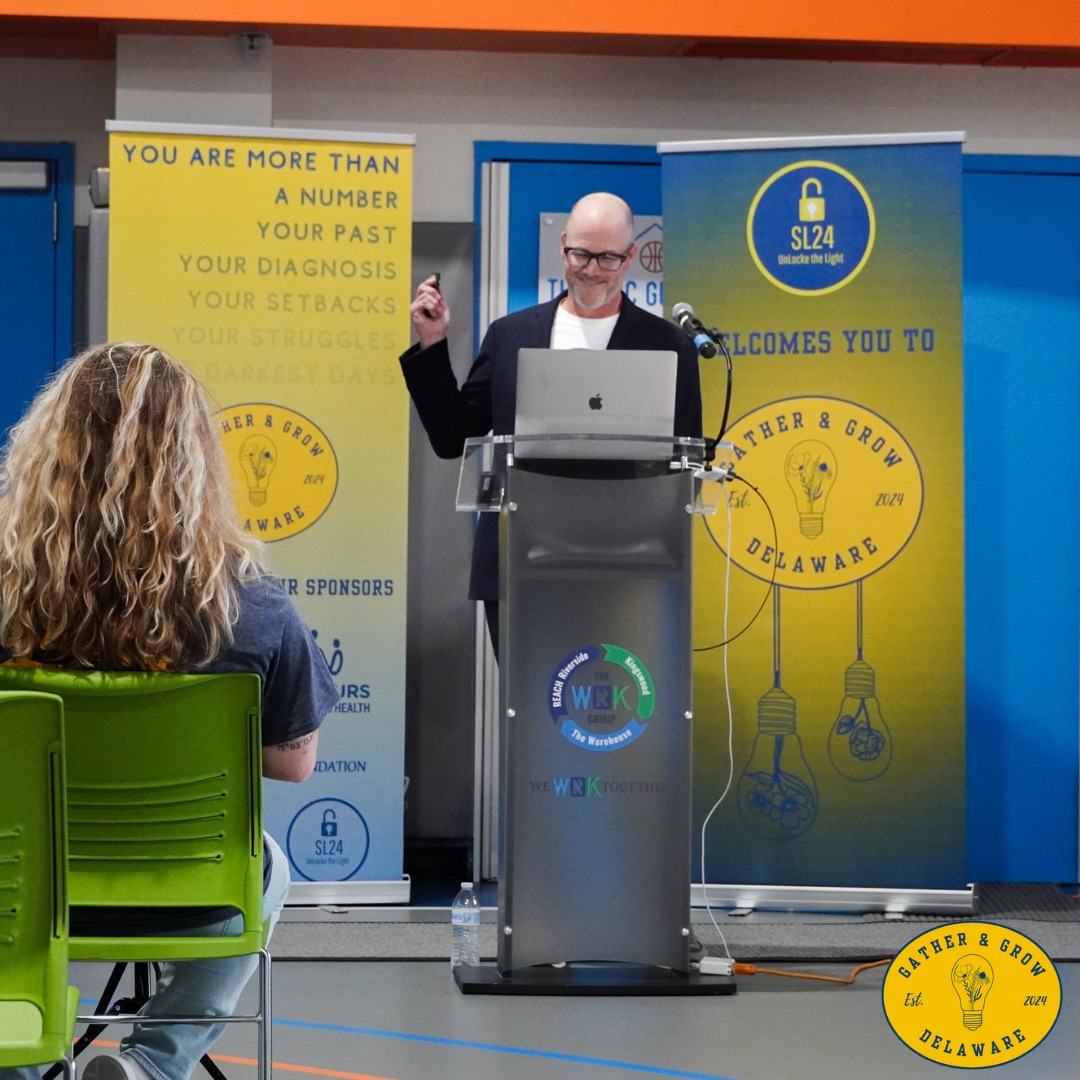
329,823
811,207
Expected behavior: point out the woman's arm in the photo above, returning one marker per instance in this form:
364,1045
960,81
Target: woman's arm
293,760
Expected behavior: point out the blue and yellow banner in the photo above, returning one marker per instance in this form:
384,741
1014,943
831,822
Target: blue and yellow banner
833,270
276,265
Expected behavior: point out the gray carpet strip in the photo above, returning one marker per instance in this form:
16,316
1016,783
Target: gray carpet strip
1047,914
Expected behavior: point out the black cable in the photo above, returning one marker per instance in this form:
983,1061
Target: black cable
719,339
772,580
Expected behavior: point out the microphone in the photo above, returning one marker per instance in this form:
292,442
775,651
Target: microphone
684,316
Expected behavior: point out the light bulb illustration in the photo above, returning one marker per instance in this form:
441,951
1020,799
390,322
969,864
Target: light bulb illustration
972,978
860,743
810,472
777,792
258,456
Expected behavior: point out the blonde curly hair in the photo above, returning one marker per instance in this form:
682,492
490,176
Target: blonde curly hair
119,542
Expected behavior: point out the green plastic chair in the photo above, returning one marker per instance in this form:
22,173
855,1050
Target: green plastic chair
37,1007
164,787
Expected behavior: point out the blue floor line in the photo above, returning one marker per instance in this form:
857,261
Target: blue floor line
575,1059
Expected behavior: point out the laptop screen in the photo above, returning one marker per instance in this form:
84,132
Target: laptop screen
595,392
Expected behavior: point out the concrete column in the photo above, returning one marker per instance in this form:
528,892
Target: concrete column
195,79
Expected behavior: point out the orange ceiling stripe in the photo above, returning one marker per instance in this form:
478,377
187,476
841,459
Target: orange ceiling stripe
1033,24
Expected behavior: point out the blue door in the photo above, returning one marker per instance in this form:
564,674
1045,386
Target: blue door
35,270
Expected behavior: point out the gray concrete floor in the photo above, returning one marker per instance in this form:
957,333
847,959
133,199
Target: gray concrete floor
406,1020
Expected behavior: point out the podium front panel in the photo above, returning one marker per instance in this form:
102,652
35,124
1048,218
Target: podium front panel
595,658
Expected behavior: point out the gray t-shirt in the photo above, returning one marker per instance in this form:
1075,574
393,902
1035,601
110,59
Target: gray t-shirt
271,639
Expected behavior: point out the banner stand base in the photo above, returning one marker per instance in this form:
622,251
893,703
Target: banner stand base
590,979
835,899
349,893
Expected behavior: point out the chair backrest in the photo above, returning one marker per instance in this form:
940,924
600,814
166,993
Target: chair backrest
164,788
34,1014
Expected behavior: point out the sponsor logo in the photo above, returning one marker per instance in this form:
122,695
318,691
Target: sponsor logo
354,697
336,660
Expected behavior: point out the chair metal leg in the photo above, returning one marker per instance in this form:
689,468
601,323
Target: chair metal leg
208,1063
266,1060
90,1035
142,981
262,1019
124,1010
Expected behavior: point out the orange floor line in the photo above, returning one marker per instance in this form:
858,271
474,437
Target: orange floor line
311,1069
301,1068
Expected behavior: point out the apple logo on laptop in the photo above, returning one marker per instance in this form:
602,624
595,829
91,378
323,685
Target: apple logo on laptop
595,402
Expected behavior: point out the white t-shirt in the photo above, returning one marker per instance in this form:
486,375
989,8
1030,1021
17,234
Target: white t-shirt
574,332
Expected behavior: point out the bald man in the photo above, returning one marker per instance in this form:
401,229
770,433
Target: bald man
598,250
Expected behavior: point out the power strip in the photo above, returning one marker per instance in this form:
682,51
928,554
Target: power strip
716,965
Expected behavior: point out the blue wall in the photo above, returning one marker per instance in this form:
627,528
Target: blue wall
1022,465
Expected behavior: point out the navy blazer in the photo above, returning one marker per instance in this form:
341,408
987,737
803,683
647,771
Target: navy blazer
486,401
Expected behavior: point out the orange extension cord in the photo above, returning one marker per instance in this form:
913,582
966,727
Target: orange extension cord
753,969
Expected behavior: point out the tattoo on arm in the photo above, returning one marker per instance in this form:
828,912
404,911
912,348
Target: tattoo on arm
296,744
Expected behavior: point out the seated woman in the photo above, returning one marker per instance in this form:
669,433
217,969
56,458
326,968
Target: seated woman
120,549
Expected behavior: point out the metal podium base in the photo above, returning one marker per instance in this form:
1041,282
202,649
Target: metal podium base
595,979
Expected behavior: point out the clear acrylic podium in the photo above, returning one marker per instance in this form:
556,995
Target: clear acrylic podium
595,711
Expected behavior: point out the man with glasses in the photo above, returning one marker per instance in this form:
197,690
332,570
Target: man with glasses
598,250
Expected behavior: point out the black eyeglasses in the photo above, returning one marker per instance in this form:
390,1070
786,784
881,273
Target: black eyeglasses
579,258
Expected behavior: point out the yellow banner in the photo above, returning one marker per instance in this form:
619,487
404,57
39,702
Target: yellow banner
277,268
838,270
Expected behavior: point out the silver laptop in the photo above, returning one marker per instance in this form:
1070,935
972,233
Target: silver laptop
595,392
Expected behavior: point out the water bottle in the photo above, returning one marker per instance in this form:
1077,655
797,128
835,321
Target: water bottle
465,925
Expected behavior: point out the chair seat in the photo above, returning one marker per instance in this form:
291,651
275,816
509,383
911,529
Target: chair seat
162,947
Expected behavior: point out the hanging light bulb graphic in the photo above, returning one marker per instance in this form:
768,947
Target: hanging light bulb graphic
258,456
810,472
777,792
972,978
860,743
